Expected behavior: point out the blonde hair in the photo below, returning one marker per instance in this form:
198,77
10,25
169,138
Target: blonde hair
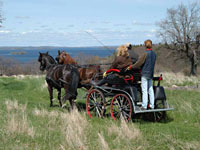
148,44
122,51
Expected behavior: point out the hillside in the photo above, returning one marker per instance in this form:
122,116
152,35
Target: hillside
27,121
166,61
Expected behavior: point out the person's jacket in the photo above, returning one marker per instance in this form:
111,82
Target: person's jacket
147,63
121,62
133,55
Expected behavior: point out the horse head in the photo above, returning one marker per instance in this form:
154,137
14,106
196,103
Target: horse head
65,58
45,60
60,57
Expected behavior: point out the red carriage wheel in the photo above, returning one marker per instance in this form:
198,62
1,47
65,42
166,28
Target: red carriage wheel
95,103
121,106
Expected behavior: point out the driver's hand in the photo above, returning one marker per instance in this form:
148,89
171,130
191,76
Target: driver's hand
128,68
104,74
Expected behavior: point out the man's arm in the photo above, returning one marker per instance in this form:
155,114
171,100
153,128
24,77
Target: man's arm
140,61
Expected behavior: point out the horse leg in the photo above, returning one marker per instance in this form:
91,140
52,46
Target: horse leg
72,103
67,93
59,97
50,89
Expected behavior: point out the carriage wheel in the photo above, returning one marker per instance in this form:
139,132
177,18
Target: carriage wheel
159,104
121,106
95,103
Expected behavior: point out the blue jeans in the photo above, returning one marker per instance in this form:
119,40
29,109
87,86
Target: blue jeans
147,88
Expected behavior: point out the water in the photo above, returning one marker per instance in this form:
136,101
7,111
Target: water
31,54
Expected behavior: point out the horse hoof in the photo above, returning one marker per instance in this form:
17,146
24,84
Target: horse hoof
63,105
51,105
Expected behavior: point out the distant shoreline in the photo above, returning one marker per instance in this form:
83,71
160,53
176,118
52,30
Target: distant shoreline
18,53
54,47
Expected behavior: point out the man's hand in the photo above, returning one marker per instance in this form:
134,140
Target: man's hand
128,68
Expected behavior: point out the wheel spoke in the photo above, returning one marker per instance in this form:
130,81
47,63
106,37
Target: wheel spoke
118,103
91,108
127,109
98,113
125,114
91,104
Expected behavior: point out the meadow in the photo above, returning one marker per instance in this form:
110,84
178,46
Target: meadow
27,121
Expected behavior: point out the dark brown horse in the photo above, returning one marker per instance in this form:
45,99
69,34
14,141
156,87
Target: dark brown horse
60,76
86,73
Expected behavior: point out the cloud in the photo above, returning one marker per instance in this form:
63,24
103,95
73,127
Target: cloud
23,32
108,36
153,30
142,23
5,31
149,35
120,25
31,31
71,25
44,26
89,31
105,22
22,17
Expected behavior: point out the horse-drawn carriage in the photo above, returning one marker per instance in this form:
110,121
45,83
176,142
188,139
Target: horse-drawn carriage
122,95
123,98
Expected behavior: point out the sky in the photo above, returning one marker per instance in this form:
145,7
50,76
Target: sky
78,23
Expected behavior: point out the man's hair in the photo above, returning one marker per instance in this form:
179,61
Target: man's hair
148,44
122,51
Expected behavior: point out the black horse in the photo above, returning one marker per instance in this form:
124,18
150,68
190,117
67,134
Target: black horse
60,76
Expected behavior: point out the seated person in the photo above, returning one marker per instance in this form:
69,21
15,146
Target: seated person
121,61
132,54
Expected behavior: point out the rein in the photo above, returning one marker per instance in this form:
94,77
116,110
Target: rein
87,65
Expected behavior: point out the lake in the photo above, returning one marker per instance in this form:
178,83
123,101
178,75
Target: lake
29,54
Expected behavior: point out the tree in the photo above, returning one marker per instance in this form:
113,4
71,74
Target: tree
180,31
1,18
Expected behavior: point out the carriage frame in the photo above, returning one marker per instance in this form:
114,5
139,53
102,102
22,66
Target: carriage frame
123,103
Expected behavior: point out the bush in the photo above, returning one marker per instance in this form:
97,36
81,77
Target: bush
9,66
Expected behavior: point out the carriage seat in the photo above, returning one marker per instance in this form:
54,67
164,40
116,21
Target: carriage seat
124,77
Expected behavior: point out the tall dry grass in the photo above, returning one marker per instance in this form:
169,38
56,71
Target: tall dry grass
174,143
171,79
72,125
104,144
74,128
128,135
17,121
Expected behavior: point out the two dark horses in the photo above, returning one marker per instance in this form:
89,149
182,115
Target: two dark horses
67,74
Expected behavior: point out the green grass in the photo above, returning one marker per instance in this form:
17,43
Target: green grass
27,122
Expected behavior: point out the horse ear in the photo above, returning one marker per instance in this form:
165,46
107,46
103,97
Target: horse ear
40,54
58,52
47,53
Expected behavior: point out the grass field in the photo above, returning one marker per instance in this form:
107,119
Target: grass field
27,122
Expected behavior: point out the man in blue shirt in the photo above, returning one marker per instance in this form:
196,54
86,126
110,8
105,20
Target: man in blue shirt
147,63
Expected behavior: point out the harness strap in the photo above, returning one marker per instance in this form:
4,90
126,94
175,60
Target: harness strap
131,79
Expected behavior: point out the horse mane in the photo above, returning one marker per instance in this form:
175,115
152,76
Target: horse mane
51,59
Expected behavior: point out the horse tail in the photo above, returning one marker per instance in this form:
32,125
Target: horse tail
73,84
